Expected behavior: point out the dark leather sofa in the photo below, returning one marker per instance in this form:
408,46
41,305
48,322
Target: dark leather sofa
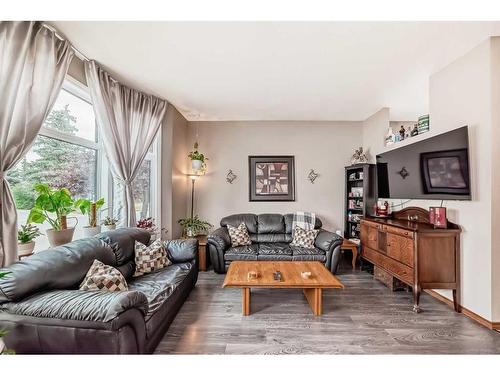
44,312
271,235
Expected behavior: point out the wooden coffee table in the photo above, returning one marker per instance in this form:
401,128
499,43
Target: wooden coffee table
321,278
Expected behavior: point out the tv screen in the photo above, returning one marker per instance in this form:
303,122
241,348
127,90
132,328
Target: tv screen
435,168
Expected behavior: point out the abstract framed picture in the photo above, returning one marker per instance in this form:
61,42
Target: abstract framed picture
272,178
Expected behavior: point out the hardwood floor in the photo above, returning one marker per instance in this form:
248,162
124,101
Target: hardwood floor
364,318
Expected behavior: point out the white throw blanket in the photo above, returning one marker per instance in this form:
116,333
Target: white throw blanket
305,220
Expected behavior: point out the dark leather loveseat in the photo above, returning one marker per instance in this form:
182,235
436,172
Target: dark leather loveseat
44,312
271,235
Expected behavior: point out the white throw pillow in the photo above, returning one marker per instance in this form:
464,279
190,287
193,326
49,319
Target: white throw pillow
239,236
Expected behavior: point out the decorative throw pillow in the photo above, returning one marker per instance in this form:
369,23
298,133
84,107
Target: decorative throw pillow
103,277
304,237
239,236
150,258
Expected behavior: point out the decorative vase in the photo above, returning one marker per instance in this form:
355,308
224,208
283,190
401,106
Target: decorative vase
25,249
196,165
60,237
91,231
106,228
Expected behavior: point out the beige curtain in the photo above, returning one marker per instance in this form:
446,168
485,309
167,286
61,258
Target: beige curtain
33,64
128,121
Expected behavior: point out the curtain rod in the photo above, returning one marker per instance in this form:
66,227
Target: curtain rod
59,36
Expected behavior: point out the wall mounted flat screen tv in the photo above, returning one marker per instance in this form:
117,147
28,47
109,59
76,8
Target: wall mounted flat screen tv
435,168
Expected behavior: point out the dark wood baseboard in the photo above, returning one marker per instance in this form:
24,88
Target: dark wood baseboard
470,314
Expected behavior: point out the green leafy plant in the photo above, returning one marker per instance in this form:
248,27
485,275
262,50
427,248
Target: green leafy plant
89,208
27,233
196,155
108,220
50,201
195,225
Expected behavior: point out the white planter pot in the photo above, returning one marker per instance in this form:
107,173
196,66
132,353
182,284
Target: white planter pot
91,231
25,249
196,164
60,237
106,228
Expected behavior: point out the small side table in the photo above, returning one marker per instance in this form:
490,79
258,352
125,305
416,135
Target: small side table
202,252
353,247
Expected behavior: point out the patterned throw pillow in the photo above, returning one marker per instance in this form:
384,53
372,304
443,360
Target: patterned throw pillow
304,237
103,277
239,236
150,258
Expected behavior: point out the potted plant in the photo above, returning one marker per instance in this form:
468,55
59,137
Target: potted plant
194,226
89,208
198,160
109,223
25,237
53,206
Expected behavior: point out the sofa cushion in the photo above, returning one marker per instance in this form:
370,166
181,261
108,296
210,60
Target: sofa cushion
248,252
270,224
274,251
62,267
304,254
250,221
122,241
87,305
158,286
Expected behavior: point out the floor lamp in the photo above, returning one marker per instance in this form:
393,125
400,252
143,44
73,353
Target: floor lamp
193,178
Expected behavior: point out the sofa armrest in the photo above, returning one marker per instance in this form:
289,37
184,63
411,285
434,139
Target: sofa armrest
220,238
93,306
327,241
181,251
218,242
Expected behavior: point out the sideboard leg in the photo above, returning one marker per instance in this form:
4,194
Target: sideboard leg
416,299
456,302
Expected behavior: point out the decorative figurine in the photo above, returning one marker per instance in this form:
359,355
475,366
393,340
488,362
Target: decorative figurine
390,138
402,132
359,157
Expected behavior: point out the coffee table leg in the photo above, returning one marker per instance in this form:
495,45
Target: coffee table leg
314,297
246,301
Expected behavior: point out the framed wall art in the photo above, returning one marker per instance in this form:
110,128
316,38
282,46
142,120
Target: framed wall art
272,178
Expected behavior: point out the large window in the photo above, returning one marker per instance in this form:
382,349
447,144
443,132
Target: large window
68,153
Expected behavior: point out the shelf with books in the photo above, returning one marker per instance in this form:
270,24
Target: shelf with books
359,196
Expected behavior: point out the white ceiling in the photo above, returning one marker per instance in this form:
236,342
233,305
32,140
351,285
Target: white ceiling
280,70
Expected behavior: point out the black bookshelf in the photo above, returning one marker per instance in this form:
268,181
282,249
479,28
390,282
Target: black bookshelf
360,182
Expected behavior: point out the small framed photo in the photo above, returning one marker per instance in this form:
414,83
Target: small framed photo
437,217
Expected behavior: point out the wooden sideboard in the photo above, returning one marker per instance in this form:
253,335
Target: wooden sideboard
414,252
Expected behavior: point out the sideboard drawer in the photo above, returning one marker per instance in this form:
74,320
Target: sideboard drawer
399,231
399,270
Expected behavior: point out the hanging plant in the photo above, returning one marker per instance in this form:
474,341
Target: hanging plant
198,160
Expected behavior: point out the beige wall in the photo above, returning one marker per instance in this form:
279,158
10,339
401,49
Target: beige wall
325,147
174,167
374,130
460,95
